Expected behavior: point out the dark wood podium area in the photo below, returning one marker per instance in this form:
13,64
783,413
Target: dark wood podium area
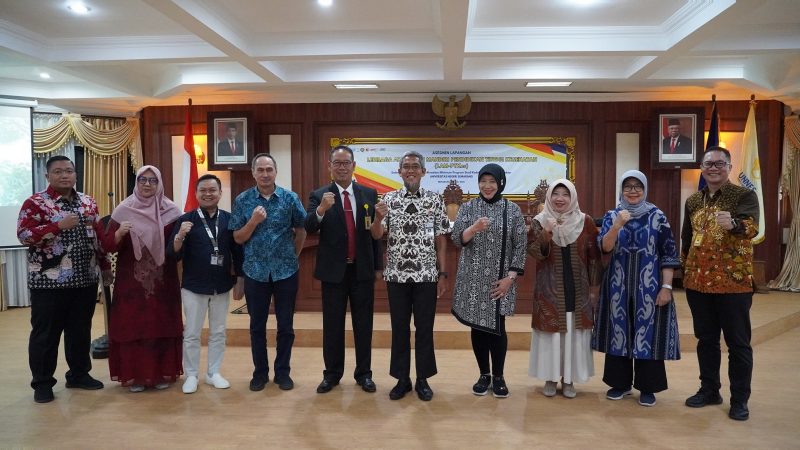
309,297
593,125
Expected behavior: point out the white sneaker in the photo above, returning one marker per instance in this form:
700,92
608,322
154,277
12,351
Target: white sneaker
161,386
136,388
217,381
568,390
190,385
549,388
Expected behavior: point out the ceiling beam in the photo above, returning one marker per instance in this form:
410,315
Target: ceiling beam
208,26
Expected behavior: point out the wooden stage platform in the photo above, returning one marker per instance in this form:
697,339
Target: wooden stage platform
773,313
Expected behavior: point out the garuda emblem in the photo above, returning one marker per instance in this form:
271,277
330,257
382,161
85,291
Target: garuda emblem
451,111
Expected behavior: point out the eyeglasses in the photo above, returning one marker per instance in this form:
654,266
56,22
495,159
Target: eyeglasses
341,163
147,180
718,164
59,172
633,188
410,167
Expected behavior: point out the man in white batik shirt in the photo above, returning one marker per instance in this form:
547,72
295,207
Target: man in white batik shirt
415,221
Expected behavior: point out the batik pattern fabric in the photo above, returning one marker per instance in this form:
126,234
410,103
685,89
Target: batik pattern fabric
413,223
628,322
716,260
486,258
57,258
269,254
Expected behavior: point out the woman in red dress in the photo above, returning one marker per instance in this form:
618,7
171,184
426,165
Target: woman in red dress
145,329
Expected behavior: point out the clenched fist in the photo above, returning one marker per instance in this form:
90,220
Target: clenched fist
70,220
259,215
328,199
185,228
381,210
622,218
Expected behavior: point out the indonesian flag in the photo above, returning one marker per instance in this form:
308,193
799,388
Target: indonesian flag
750,176
189,178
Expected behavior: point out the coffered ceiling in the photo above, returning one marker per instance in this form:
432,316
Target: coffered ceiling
127,54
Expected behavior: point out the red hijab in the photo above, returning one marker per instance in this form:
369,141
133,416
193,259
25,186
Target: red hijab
149,216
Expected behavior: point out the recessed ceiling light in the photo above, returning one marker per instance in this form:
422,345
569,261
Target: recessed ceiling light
356,86
44,75
325,3
548,83
78,8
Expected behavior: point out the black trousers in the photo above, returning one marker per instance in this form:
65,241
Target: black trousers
646,375
486,344
259,296
54,311
729,313
361,294
405,300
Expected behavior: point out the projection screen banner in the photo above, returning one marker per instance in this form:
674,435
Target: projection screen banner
16,180
526,160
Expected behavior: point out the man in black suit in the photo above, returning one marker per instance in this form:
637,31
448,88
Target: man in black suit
675,143
230,146
347,257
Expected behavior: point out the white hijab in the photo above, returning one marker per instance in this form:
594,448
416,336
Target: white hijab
569,223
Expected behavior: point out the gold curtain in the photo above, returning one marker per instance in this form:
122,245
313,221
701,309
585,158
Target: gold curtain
789,277
109,142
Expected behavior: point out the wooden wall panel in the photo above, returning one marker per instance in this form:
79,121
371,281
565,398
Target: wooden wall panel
594,124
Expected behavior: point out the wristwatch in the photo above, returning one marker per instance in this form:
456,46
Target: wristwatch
667,286
443,275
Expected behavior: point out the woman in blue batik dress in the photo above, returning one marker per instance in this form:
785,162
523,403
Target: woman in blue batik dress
636,325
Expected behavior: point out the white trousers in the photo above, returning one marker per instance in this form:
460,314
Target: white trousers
557,355
194,308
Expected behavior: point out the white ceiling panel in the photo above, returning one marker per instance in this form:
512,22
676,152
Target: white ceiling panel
128,54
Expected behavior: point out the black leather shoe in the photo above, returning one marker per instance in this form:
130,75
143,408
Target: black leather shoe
367,385
285,383
400,390
326,385
257,384
424,392
85,382
739,411
43,395
703,398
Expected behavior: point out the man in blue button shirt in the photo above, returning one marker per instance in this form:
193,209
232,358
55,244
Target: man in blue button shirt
267,221
210,256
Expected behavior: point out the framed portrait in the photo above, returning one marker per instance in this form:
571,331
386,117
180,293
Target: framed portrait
678,138
230,140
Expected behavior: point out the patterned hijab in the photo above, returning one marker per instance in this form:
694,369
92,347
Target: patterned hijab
570,222
641,208
148,216
499,175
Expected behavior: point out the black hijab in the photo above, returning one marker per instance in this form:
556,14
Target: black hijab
499,176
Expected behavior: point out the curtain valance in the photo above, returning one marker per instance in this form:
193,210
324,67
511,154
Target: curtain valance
95,141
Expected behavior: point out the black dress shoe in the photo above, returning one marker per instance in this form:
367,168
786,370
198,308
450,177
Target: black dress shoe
257,384
739,411
285,383
326,385
367,385
85,382
43,395
400,390
704,397
424,392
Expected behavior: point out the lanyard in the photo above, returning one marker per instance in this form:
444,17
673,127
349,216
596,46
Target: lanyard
208,230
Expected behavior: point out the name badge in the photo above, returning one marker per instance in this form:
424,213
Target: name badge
429,229
90,232
216,260
698,239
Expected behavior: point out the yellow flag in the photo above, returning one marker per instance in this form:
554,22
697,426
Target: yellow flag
750,176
